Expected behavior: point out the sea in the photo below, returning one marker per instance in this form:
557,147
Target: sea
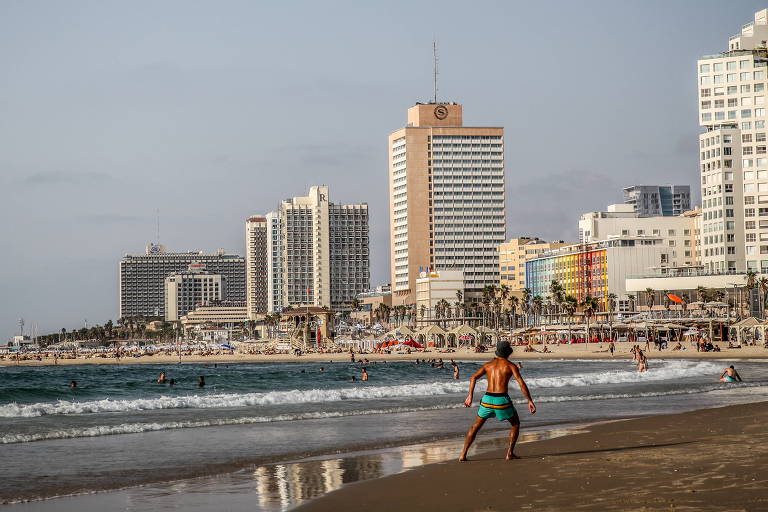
120,431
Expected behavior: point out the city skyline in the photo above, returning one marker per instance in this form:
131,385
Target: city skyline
107,119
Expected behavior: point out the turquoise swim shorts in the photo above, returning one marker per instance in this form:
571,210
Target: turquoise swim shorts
497,403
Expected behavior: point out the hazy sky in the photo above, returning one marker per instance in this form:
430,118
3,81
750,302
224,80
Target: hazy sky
212,111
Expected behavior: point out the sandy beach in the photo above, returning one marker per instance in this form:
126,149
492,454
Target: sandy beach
594,351
712,459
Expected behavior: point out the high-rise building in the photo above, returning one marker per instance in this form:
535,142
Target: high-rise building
514,253
446,199
257,235
142,277
186,290
274,263
733,155
658,200
315,253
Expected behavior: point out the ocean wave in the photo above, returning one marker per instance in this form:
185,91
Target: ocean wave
660,371
137,428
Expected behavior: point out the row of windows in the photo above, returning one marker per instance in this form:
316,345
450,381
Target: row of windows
731,89
744,76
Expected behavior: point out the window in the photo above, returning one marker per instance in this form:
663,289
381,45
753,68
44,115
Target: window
759,125
744,64
730,66
746,150
751,237
730,225
732,89
749,175
759,112
759,75
721,103
704,68
671,232
706,116
749,187
743,77
727,139
746,113
746,162
746,101
727,151
749,199
729,186
705,93
746,125
731,250
719,116
718,66
759,100
732,102
731,114
744,88
729,212
706,104
656,232
624,232
759,87
640,232
750,224
719,91
730,77
728,200
760,137
746,137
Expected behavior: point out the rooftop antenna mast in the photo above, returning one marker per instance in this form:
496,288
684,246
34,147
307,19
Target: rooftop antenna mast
158,226
434,69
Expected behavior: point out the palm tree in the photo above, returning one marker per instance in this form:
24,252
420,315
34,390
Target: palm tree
514,303
701,293
356,304
525,304
631,299
667,301
762,283
650,298
459,296
751,279
537,302
556,293
570,303
589,306
611,310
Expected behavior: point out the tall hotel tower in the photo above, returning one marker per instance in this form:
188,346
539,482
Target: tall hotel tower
446,199
734,160
309,252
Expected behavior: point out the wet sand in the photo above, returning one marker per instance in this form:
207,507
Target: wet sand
711,459
594,351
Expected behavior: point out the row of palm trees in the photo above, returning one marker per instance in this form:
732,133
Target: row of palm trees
497,308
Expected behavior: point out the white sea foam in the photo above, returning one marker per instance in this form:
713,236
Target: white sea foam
136,428
660,371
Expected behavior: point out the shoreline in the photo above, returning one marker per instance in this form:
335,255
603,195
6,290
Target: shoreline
688,460
558,352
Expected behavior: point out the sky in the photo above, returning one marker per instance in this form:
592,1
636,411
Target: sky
213,111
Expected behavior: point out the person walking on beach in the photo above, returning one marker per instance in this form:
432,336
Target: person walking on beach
730,375
496,400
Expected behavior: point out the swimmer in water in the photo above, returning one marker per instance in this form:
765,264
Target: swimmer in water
364,375
730,375
201,381
161,379
73,384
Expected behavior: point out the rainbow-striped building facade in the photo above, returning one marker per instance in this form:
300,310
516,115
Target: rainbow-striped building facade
596,268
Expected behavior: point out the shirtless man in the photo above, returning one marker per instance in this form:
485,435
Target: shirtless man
730,375
496,400
364,375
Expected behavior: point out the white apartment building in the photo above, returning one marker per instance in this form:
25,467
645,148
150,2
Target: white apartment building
446,193
433,287
257,235
622,220
184,291
313,252
733,152
274,263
